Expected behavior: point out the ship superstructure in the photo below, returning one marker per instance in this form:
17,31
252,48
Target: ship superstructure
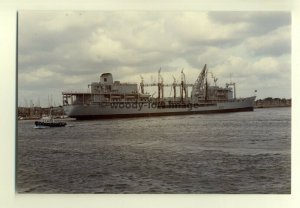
108,98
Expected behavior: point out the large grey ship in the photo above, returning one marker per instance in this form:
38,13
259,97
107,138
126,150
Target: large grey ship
113,99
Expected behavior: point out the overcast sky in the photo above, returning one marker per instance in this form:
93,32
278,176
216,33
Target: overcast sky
63,51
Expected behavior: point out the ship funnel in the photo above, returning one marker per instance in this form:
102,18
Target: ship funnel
106,79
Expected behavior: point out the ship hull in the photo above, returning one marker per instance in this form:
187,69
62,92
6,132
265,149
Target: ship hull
127,110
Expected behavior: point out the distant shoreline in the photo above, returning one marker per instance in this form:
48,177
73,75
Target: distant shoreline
69,119
37,118
272,103
287,106
35,113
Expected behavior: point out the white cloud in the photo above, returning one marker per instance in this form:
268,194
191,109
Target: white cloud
198,27
266,65
103,47
75,79
275,42
62,50
38,75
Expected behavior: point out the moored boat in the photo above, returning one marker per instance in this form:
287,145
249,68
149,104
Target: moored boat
48,122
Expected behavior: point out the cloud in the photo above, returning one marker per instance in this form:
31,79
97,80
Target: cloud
65,50
276,42
198,28
39,79
258,22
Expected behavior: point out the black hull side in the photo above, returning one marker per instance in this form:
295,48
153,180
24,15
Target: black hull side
59,124
112,116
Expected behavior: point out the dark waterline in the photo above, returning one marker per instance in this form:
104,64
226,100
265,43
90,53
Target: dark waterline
245,152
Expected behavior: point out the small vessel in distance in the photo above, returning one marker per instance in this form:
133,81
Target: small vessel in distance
48,122
113,99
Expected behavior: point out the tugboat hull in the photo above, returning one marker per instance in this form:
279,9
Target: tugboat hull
49,124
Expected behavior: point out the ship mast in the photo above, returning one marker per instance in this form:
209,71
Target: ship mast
183,86
160,85
142,84
174,87
206,87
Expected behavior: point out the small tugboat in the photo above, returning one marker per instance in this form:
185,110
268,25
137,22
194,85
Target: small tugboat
48,122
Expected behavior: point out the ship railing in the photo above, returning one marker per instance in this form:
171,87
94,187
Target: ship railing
75,92
128,83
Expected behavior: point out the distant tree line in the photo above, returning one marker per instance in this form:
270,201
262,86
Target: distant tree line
38,112
273,102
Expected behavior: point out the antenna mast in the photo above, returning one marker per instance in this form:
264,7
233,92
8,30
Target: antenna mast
174,87
142,84
160,85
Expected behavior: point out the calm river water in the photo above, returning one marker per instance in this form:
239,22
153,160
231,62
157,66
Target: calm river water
245,152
